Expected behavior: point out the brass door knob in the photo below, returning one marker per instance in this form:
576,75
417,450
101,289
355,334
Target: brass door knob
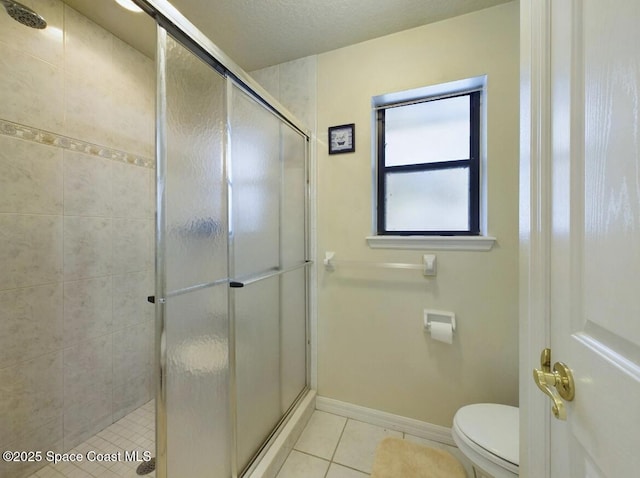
561,378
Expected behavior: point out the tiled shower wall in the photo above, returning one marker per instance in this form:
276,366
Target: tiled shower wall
293,84
76,230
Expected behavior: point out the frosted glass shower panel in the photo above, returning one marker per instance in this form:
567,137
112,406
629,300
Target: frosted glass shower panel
257,318
293,336
231,271
192,251
255,182
198,423
292,242
196,207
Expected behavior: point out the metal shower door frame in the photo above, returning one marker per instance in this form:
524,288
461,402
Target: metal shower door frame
171,21
240,282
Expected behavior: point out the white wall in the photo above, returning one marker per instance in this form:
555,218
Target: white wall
372,350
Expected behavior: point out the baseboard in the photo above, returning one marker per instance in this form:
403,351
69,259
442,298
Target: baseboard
388,420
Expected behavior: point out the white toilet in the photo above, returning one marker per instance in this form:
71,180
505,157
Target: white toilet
488,435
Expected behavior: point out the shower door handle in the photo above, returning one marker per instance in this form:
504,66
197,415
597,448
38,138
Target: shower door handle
237,284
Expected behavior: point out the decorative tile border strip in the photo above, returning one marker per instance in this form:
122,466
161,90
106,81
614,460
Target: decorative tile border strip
52,139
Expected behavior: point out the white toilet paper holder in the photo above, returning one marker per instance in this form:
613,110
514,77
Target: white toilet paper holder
439,316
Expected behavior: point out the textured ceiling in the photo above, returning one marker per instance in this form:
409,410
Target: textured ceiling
260,33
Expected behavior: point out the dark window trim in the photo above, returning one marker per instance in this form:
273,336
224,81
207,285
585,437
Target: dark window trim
472,163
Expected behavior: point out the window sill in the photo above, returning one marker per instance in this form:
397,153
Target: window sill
432,243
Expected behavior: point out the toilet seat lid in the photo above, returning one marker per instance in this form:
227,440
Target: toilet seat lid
493,427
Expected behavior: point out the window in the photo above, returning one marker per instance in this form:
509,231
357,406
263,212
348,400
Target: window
428,163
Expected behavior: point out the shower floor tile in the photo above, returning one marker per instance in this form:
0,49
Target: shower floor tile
135,431
330,447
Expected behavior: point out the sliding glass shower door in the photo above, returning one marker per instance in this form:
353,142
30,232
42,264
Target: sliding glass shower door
268,258
193,420
231,268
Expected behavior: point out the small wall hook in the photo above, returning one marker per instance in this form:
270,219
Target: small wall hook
328,257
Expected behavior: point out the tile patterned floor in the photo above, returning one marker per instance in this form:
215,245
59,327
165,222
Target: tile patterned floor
135,431
332,446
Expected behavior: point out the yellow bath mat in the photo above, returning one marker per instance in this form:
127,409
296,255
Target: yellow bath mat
397,458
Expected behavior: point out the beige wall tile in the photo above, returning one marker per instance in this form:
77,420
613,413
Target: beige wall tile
88,368
134,86
131,245
87,247
298,89
31,180
130,349
85,418
30,323
30,250
89,86
120,84
130,292
130,393
47,437
131,368
89,106
43,44
87,310
31,396
269,79
294,85
130,191
88,47
88,382
87,185
30,90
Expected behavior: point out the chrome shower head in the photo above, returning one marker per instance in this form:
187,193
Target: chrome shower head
24,14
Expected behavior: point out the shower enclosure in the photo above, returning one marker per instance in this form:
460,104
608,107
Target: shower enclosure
231,264
77,243
77,171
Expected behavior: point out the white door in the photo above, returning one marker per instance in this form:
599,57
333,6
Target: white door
591,252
